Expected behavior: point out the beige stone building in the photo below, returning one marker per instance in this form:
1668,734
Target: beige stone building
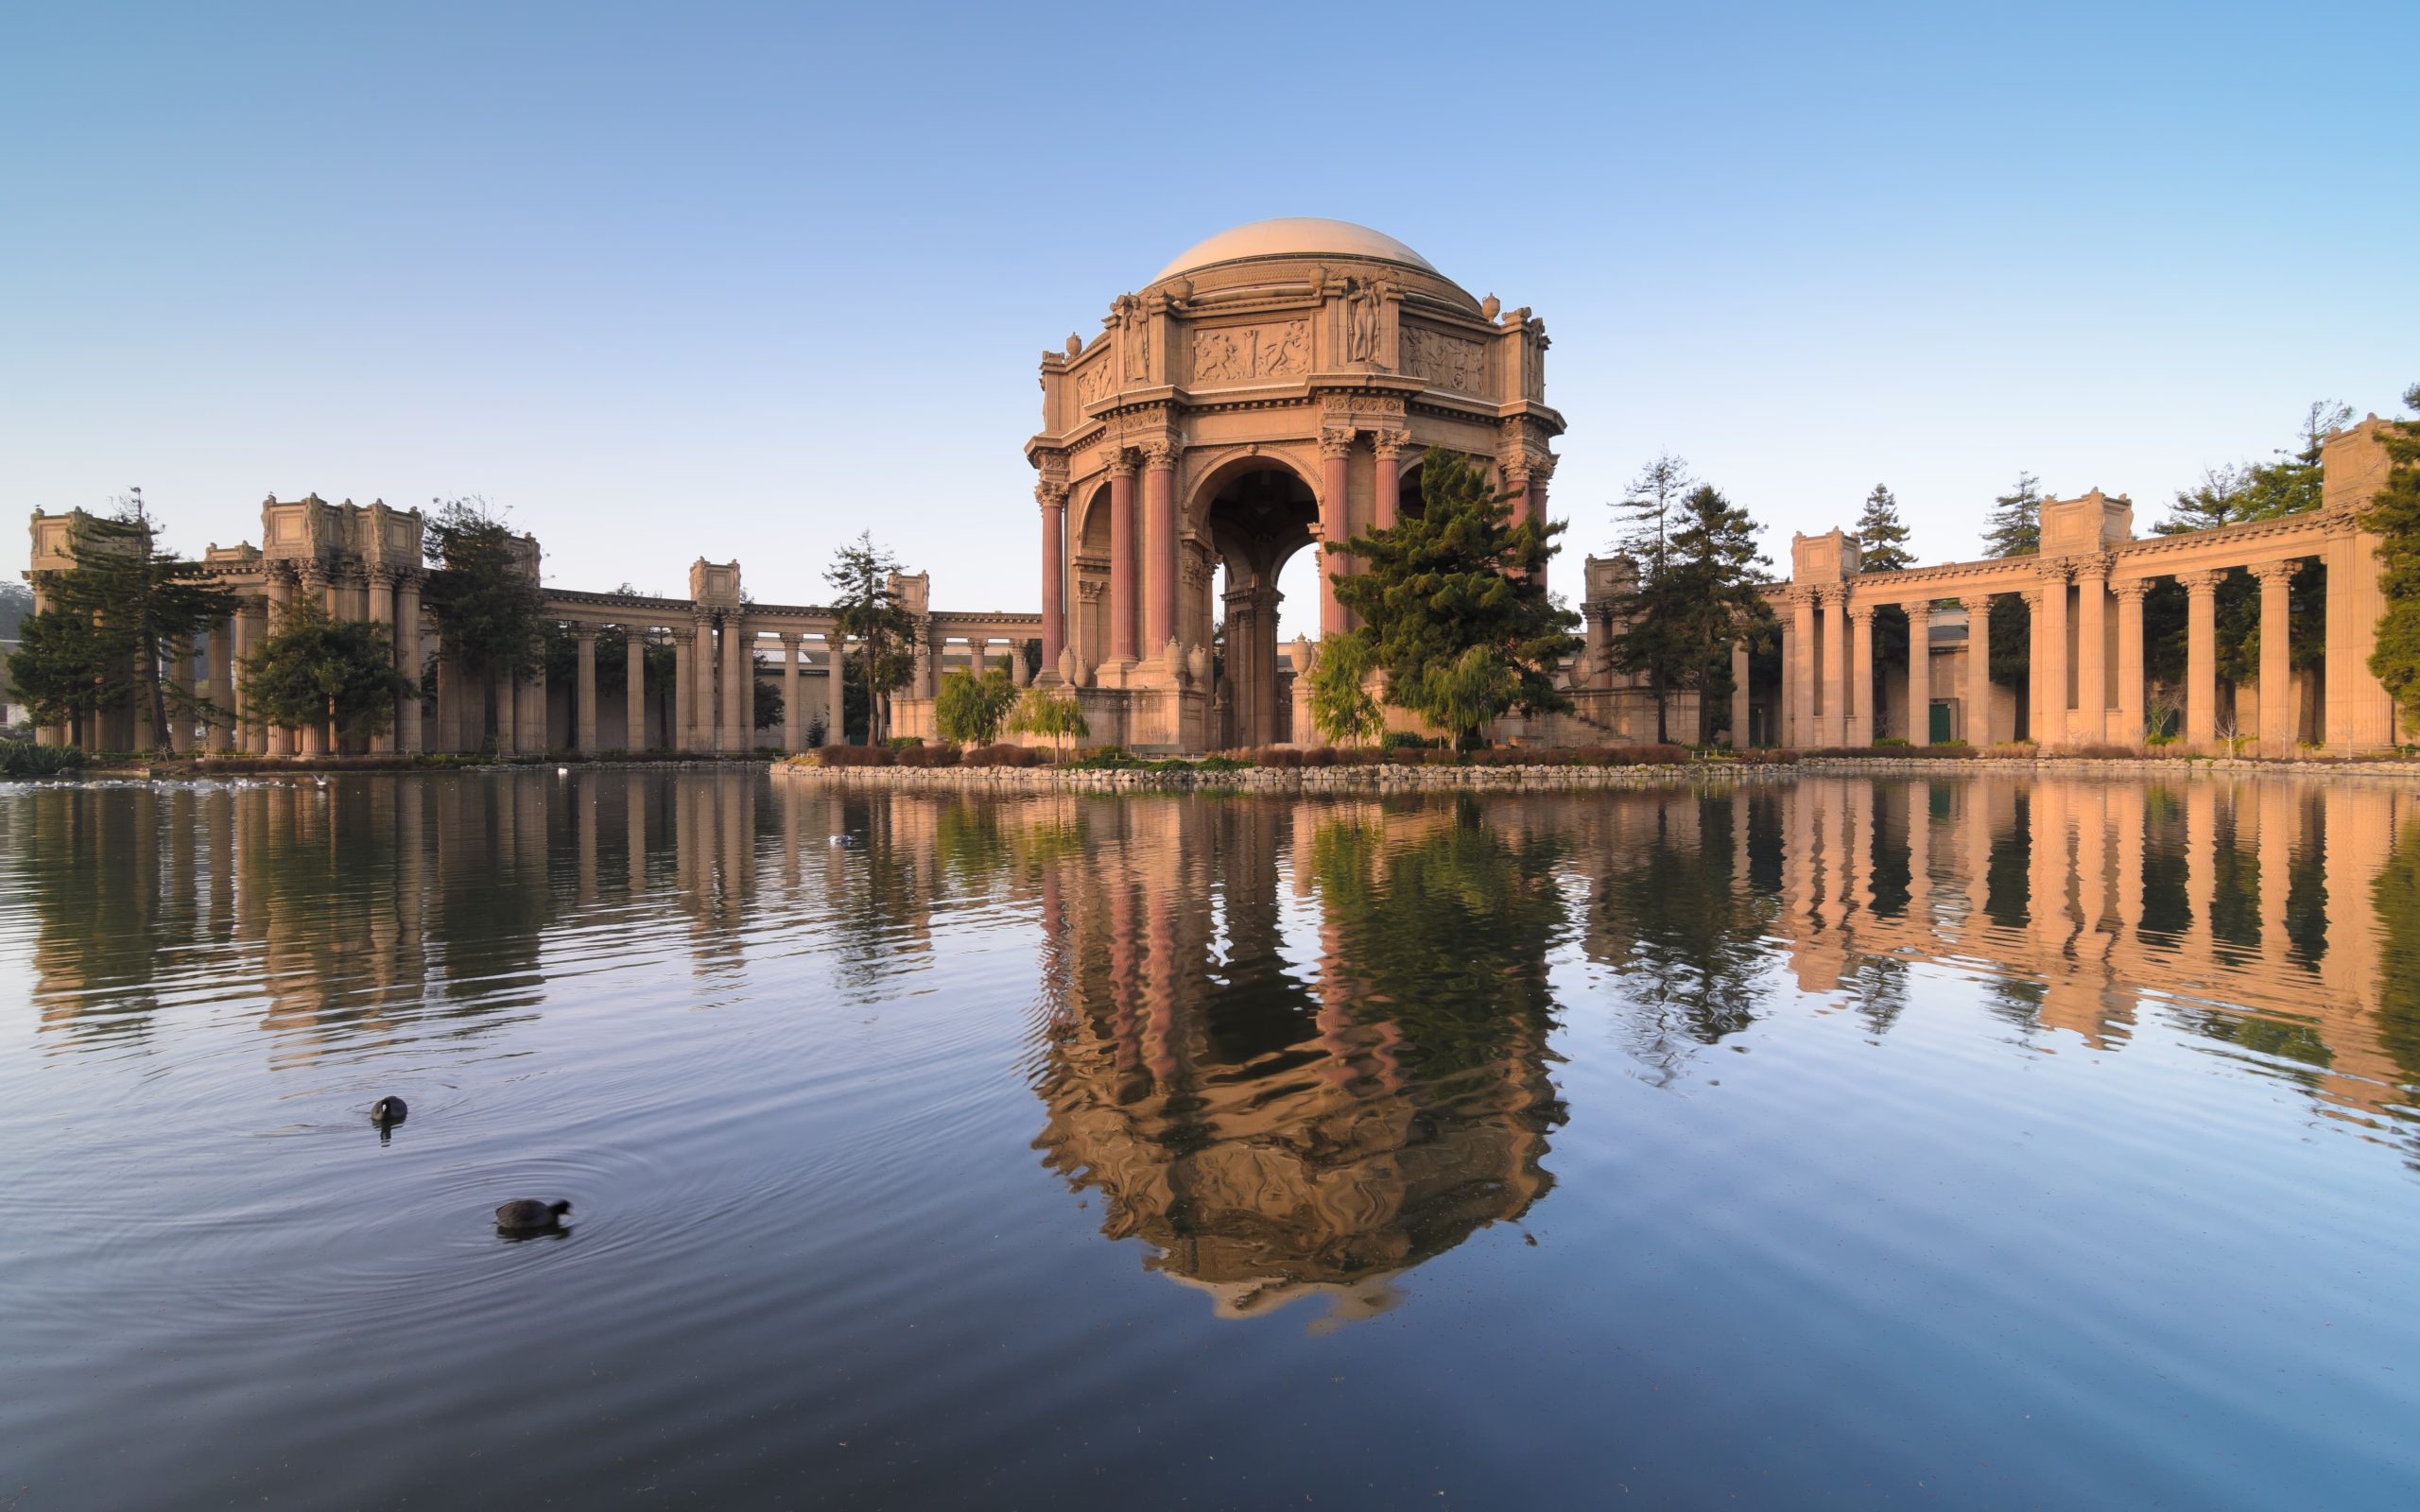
2087,680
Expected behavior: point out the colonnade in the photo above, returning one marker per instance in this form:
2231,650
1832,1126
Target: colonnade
2086,676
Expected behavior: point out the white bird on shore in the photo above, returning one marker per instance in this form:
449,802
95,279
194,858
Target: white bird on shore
562,771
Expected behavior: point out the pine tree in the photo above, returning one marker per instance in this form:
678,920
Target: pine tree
490,613
146,607
868,610
2395,515
1881,535
1678,621
312,671
2014,528
1460,576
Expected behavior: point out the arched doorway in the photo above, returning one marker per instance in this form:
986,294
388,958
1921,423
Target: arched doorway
1257,515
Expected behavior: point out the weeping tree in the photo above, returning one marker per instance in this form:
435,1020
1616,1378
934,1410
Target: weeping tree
1454,606
970,707
2394,514
1341,707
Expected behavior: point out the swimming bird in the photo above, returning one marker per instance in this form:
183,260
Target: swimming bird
530,1215
844,842
388,1110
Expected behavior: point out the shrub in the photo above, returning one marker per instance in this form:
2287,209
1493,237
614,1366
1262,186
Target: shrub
1889,740
903,742
1279,758
23,758
1406,739
854,756
999,755
922,755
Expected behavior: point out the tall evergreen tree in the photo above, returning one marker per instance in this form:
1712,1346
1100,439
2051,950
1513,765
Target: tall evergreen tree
1457,578
483,591
145,606
867,609
1881,535
2395,515
1882,547
1655,638
2014,528
1679,618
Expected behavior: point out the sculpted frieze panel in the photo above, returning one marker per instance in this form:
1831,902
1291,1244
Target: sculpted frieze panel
1233,354
1097,382
1445,359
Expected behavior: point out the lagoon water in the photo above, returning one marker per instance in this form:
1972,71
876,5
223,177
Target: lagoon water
1975,1142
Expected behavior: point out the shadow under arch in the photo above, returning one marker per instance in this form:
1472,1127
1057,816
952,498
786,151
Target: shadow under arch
1253,510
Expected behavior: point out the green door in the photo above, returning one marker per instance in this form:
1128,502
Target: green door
1939,723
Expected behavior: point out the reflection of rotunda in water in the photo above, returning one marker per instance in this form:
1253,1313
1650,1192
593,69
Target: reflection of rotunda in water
1269,1136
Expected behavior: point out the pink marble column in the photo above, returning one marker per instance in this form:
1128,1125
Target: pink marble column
1121,559
1389,445
1541,469
2200,658
1334,449
1919,671
1159,522
1054,572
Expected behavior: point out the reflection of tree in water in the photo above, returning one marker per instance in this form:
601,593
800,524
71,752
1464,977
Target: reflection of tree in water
1670,915
2396,895
86,866
1271,1134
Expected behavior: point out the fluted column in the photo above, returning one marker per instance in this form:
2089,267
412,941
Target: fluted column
738,688
697,697
1335,527
1053,497
585,691
279,585
1388,445
1978,669
836,689
1834,720
1861,708
1803,728
217,666
633,688
1122,565
2276,657
1738,694
1786,705
2090,723
2133,713
1159,532
1919,671
1541,473
378,580
2050,657
2200,658
408,738
794,717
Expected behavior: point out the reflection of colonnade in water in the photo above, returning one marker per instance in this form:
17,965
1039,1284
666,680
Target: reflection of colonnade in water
2262,895
366,910
1272,1130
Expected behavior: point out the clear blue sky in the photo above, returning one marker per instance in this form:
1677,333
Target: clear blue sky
736,281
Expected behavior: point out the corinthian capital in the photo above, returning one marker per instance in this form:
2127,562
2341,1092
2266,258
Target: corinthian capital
1118,463
2276,571
1051,493
1160,456
2204,581
1390,443
1336,442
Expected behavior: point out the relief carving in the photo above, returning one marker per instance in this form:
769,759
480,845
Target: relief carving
1239,354
1450,361
1138,351
1097,382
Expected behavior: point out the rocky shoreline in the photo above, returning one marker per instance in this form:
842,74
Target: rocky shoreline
1390,776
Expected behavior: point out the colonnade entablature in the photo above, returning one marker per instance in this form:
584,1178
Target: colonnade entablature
366,564
2088,680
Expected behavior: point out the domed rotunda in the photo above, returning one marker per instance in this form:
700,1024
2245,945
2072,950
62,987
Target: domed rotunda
1271,389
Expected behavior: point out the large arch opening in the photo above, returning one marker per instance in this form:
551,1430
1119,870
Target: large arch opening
1258,515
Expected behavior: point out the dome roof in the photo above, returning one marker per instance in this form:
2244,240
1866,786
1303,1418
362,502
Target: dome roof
1293,236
